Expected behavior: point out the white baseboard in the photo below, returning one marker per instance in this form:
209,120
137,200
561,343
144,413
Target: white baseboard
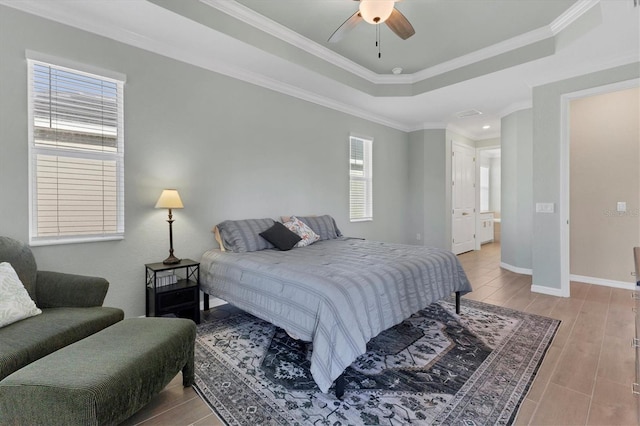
548,291
534,288
603,282
517,270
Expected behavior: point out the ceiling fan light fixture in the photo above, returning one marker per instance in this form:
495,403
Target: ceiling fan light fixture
376,11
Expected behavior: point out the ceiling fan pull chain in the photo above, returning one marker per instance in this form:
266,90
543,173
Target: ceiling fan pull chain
378,40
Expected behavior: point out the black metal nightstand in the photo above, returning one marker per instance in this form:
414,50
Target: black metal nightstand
173,289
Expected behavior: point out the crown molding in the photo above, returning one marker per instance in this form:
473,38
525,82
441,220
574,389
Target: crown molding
515,108
453,128
47,10
486,53
256,20
492,135
428,126
633,58
71,17
81,16
68,16
461,132
296,92
269,26
576,10
569,16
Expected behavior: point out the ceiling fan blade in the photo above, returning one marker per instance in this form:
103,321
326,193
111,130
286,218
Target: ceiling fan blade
347,26
400,25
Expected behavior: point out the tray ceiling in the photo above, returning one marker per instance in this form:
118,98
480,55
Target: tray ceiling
483,55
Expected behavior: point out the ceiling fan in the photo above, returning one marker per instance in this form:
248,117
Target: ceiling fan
376,12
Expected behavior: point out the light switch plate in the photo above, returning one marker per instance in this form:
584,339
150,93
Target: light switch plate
545,207
621,206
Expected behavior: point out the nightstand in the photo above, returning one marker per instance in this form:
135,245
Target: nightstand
173,289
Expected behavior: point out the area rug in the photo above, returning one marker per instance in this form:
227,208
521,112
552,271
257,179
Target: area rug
435,368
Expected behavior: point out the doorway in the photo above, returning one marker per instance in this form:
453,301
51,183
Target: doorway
488,223
463,196
609,209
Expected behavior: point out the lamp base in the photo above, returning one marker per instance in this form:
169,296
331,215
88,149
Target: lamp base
171,260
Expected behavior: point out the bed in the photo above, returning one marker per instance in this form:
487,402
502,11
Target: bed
337,292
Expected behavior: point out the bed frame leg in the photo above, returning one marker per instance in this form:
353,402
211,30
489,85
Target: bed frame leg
340,382
206,301
458,302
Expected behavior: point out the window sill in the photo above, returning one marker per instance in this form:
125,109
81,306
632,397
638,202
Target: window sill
74,240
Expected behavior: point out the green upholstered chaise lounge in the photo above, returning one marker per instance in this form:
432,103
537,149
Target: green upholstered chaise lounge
102,379
77,363
71,310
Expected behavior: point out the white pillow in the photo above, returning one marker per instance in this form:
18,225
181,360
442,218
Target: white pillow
15,303
299,227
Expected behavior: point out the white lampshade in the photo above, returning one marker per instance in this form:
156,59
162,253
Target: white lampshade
376,11
169,199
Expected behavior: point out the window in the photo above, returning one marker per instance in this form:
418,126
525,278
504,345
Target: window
360,179
76,154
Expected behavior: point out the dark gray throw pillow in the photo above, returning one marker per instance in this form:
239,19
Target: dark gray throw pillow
281,237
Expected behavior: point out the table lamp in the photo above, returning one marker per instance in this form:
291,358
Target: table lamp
170,199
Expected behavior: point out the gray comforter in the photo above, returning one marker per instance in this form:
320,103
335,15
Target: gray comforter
336,293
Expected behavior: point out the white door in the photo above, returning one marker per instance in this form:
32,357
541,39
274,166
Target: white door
463,196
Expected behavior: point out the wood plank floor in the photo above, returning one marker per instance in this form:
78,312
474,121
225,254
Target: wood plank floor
585,379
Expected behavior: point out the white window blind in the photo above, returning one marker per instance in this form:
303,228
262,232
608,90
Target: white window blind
76,155
360,179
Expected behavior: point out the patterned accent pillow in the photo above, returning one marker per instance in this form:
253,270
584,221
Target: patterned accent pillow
324,226
242,236
307,236
15,303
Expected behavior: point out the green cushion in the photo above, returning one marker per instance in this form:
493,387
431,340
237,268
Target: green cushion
60,290
20,257
30,339
51,289
102,379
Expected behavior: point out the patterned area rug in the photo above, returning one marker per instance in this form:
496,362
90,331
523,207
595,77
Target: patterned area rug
435,368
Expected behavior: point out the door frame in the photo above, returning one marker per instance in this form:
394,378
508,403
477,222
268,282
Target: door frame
565,164
478,153
476,204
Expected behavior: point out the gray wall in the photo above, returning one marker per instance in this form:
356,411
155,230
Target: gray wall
428,205
232,149
546,250
416,201
517,189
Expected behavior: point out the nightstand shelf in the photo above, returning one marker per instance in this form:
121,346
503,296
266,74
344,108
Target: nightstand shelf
180,298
